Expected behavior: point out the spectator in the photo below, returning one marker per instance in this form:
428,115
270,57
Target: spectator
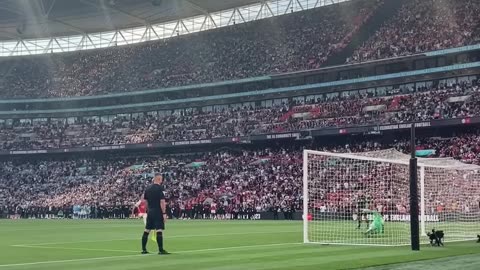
421,26
440,102
240,183
292,42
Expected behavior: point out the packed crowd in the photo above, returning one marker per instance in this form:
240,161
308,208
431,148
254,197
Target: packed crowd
440,102
293,42
421,26
238,182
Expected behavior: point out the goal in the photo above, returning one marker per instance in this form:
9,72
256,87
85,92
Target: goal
363,198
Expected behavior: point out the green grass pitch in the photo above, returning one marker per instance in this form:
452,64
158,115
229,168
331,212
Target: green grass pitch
115,244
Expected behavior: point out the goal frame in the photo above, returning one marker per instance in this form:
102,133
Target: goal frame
421,167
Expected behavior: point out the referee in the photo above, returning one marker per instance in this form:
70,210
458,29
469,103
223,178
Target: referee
157,214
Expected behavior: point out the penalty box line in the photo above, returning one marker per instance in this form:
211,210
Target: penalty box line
128,256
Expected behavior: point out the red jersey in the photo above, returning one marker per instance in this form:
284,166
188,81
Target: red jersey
142,207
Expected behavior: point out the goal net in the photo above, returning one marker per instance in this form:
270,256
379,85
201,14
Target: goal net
363,198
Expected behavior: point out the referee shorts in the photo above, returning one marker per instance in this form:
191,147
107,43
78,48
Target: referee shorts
155,221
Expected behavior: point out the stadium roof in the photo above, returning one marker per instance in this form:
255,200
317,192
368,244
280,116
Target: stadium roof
29,19
30,27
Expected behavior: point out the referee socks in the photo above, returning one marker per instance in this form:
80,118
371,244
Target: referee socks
160,241
144,241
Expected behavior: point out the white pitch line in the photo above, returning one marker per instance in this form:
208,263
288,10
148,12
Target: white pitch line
68,261
73,248
239,247
89,241
136,255
177,252
166,237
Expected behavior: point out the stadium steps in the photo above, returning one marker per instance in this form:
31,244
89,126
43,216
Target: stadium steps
369,28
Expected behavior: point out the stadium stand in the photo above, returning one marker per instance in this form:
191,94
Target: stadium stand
398,106
240,182
293,42
422,26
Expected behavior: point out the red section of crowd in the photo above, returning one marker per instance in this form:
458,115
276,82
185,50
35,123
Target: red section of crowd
260,180
400,106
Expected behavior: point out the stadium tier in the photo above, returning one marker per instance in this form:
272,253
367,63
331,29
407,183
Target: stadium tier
422,26
292,42
443,101
258,179
295,42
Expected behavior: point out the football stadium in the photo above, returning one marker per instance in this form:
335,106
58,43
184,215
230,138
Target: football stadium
240,134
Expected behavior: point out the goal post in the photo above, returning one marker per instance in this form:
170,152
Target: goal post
422,202
306,217
363,198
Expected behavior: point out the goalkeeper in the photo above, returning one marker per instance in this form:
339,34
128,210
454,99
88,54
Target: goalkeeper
376,227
